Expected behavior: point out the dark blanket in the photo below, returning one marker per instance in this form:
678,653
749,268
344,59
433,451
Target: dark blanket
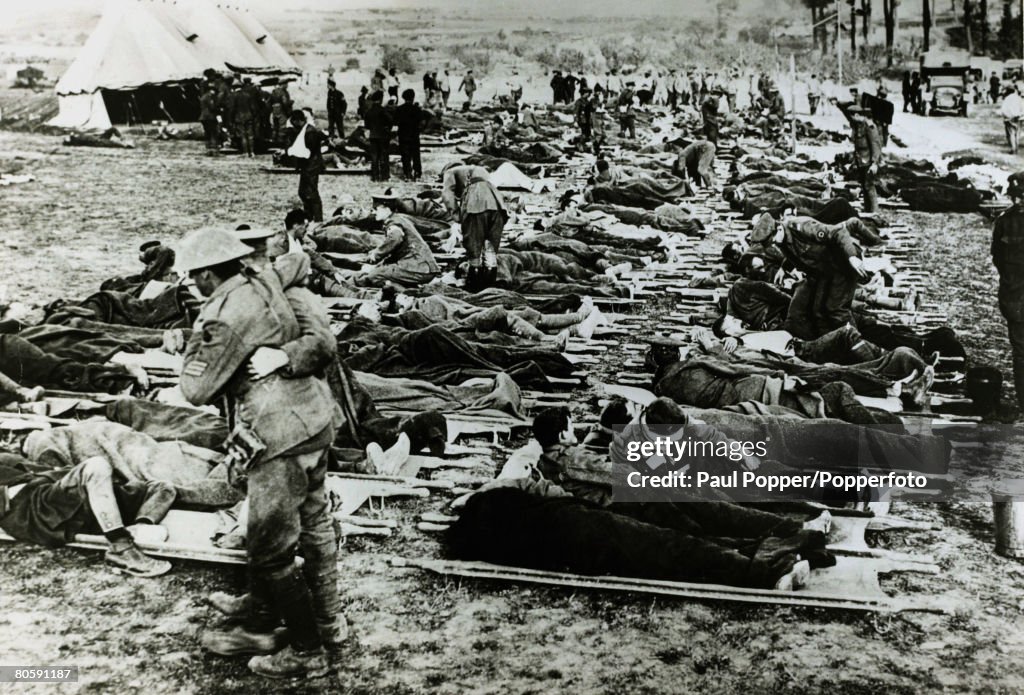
508,526
827,443
941,198
76,343
363,424
497,296
168,423
640,193
536,153
437,355
690,226
173,308
44,513
30,366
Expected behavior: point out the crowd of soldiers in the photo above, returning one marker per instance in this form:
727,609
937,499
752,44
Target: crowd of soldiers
240,109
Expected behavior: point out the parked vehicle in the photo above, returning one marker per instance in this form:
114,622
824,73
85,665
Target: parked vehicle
944,80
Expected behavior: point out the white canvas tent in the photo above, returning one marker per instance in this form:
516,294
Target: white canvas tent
146,44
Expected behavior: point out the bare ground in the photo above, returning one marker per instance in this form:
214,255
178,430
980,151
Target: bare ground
82,222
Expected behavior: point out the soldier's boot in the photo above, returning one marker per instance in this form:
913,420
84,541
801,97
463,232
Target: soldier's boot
473,278
304,657
229,605
126,558
260,631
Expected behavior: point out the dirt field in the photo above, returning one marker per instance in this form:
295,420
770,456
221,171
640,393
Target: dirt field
83,220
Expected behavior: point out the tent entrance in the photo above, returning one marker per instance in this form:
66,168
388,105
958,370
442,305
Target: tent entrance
178,103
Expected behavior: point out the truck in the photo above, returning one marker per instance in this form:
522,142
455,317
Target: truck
944,82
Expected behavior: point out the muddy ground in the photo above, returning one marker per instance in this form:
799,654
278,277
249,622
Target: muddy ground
82,221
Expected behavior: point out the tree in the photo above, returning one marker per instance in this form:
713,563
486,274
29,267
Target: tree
853,27
865,17
397,57
890,10
1010,30
969,25
983,18
819,32
926,23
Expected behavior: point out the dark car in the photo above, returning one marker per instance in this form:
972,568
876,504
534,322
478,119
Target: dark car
946,95
944,76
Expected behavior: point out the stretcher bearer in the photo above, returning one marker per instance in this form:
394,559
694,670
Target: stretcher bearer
282,427
476,203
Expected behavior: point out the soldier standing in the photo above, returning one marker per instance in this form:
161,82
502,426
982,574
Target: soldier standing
867,150
284,425
627,112
307,149
585,114
336,108
1008,258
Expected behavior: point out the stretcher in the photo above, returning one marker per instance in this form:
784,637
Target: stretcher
851,585
325,172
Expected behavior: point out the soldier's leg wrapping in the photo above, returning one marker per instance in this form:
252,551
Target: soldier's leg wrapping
1016,332
319,544
278,490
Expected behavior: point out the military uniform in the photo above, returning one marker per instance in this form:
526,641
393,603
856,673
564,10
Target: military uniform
709,114
293,416
280,107
404,257
309,174
697,161
208,117
336,108
823,301
585,116
627,116
1008,257
244,110
377,121
867,152
467,191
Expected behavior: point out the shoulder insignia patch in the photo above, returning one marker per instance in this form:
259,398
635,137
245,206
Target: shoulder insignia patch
194,369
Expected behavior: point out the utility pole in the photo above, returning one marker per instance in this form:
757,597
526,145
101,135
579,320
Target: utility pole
792,96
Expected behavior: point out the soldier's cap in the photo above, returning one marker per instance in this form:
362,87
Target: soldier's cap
387,199
207,247
148,245
763,229
856,108
330,81
245,232
882,91
1015,184
630,82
